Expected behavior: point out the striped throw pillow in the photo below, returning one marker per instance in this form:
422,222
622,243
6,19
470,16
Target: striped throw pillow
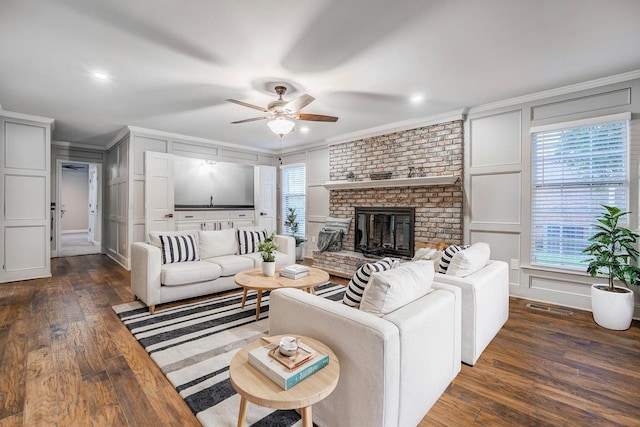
337,224
248,241
179,248
358,282
447,255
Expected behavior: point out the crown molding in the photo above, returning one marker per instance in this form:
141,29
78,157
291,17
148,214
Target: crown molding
28,117
74,145
564,90
448,116
187,138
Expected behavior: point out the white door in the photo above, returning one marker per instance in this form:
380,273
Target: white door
158,192
93,202
265,197
25,152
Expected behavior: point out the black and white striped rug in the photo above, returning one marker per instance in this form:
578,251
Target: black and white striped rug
193,345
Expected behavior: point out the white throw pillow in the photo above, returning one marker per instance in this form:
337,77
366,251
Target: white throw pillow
447,256
217,243
428,254
470,260
391,289
358,282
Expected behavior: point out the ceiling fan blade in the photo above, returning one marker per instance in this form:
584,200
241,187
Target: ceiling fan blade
298,104
250,120
316,118
244,104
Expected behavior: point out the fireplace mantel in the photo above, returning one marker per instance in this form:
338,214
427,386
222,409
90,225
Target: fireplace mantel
424,181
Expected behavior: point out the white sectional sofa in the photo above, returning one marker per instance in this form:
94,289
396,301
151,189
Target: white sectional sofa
393,365
219,260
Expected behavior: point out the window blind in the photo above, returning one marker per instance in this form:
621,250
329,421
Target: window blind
575,170
293,196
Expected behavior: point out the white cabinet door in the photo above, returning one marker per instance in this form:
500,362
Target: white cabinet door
265,197
158,192
25,223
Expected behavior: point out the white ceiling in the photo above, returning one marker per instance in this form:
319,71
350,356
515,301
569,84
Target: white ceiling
173,63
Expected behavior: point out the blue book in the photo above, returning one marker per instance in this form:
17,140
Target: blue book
280,374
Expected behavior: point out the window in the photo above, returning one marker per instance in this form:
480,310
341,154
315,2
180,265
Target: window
293,196
576,168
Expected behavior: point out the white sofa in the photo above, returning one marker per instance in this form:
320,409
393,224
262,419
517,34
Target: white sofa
156,283
392,368
485,306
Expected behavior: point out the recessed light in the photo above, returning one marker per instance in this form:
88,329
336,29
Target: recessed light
100,75
304,129
416,99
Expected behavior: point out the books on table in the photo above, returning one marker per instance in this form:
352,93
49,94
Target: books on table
295,271
275,369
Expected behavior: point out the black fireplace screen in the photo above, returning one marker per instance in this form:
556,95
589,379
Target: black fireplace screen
384,231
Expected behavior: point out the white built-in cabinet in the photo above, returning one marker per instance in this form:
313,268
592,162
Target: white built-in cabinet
214,220
25,196
139,198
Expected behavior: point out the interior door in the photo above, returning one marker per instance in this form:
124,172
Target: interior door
265,197
158,192
93,201
25,191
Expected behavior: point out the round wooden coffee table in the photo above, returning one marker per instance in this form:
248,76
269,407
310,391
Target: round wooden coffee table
255,387
255,279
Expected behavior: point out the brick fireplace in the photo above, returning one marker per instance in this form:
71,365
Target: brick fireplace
435,150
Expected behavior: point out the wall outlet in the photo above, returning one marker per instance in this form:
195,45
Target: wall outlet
515,264
313,239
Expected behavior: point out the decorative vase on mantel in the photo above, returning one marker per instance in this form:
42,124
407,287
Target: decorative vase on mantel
269,268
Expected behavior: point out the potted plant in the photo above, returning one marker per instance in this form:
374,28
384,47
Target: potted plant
292,224
267,249
612,252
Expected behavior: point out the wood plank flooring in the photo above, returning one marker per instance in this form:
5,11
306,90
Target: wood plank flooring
66,360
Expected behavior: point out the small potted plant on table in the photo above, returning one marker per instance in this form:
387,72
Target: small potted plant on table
267,249
612,251
292,224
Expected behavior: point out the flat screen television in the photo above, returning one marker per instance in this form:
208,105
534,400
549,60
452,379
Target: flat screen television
204,183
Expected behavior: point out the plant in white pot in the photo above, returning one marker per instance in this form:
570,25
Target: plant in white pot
267,249
292,224
612,252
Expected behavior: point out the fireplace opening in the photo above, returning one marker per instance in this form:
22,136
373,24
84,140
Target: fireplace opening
384,231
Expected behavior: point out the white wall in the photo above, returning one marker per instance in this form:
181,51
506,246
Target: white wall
497,182
74,189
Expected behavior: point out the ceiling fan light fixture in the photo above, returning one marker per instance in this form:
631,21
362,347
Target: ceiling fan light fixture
281,126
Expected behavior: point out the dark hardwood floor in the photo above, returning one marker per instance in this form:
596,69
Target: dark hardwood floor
66,360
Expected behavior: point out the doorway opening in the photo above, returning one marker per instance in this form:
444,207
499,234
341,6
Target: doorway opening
79,227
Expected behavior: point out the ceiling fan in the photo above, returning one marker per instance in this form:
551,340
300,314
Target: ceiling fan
282,112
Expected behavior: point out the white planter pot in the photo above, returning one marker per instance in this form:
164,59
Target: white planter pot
268,268
300,252
612,310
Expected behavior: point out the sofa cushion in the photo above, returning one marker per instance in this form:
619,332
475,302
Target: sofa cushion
248,241
256,257
217,243
447,254
179,248
358,282
470,260
184,273
391,289
231,264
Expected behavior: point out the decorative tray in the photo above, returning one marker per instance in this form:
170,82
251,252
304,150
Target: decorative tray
380,175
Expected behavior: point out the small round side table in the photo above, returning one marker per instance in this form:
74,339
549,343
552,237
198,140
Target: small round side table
255,387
